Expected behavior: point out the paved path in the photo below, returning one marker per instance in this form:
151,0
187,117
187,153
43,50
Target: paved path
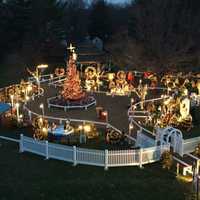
117,107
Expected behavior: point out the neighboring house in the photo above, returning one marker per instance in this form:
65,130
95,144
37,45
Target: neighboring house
98,43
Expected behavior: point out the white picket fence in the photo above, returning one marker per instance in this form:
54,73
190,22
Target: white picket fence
189,145
103,158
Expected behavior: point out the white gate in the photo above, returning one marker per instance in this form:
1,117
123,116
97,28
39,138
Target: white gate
173,137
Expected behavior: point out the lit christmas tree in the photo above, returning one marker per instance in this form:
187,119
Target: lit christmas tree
72,86
72,95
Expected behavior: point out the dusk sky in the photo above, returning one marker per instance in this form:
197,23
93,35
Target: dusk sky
111,1
117,1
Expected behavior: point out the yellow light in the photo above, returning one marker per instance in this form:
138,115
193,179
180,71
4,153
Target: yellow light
80,127
132,100
104,113
42,66
41,119
29,88
44,129
111,76
87,128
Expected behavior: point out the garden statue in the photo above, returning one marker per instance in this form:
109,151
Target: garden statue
141,91
119,86
167,160
198,86
197,150
185,108
40,126
90,79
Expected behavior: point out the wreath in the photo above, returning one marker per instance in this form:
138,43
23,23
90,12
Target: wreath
59,71
90,72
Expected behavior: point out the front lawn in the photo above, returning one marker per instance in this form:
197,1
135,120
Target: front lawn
27,176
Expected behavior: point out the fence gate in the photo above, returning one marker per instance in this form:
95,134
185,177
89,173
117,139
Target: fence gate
173,137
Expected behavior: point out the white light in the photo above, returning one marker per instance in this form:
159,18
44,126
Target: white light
12,98
41,105
17,105
130,126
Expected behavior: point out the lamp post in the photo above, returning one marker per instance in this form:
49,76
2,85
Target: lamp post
28,89
21,117
27,99
42,108
130,128
196,182
104,114
12,100
37,74
17,107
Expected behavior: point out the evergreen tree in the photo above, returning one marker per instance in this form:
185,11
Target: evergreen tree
100,23
167,30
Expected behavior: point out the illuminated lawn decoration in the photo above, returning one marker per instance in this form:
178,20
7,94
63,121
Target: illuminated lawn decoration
72,95
61,130
59,72
37,73
113,137
93,78
118,84
177,105
41,126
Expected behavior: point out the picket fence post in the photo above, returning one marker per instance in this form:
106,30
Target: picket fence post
30,115
106,160
74,156
21,146
47,149
141,157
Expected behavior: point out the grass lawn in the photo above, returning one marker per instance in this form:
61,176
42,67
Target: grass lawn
27,176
